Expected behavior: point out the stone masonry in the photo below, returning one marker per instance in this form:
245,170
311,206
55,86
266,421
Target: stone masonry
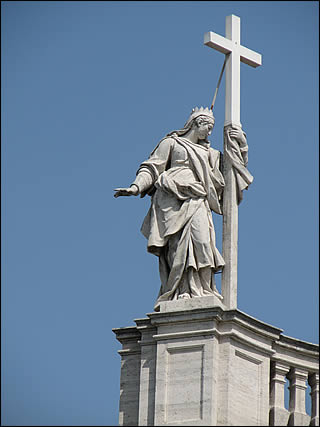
195,363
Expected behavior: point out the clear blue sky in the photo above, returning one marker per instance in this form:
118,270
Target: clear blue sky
88,89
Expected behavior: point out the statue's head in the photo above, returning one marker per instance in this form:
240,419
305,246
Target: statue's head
201,119
202,127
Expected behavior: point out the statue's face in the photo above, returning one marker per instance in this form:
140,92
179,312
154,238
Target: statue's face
204,129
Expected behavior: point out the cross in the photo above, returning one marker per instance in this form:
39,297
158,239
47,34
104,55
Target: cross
231,47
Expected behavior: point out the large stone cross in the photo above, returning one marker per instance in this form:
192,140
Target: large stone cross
230,46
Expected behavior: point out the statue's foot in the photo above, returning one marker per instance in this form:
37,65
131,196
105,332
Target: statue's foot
185,295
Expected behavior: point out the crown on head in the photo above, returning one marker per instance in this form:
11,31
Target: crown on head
201,112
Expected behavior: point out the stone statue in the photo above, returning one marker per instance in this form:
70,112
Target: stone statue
184,177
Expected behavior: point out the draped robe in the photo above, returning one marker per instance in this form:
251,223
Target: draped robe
185,184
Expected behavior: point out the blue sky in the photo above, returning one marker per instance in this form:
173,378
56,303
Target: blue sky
88,90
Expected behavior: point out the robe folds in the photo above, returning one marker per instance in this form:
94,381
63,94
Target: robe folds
185,184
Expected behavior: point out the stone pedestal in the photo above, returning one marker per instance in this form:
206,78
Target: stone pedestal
195,363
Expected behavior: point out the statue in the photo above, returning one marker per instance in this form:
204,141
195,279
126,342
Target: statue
184,177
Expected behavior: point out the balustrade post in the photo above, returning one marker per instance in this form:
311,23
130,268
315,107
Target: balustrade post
314,384
278,413
297,403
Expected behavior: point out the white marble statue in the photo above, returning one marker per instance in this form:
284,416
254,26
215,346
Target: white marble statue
183,175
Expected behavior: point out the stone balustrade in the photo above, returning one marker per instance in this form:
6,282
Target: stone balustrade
296,361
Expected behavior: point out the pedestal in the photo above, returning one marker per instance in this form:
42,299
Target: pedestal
196,363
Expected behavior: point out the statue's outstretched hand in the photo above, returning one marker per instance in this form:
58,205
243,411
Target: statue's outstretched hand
131,191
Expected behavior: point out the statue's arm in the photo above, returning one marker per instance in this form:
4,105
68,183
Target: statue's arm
236,154
142,182
240,137
149,170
